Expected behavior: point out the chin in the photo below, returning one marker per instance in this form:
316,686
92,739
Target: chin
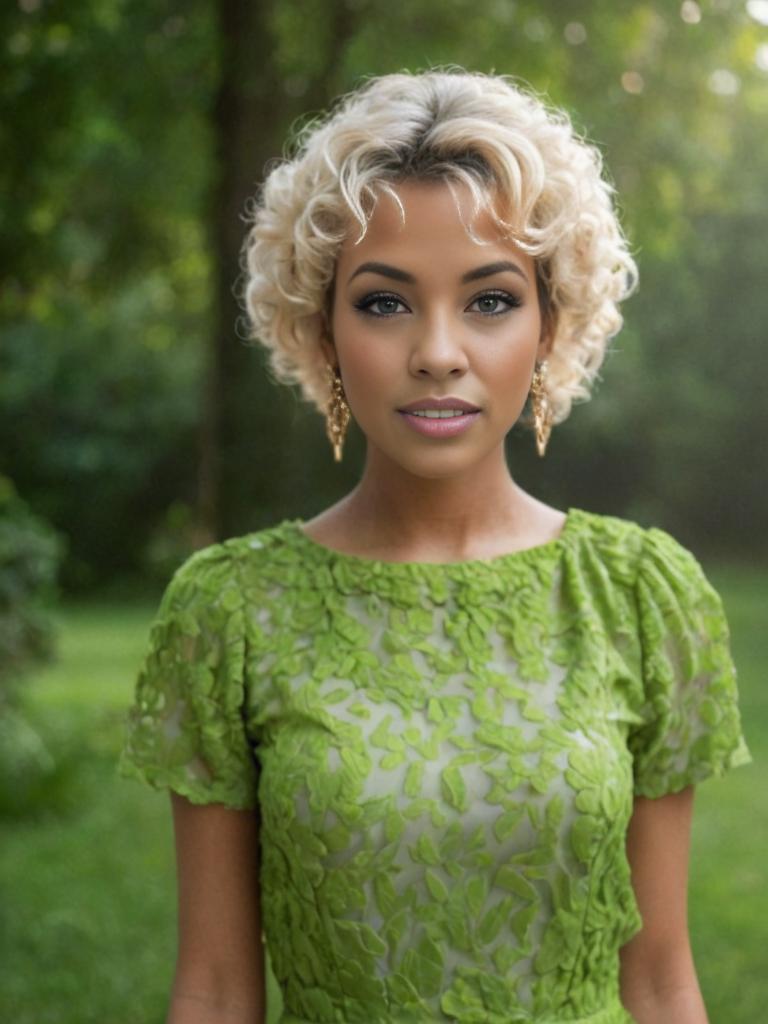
439,464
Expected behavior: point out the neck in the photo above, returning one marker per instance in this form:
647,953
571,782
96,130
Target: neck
395,509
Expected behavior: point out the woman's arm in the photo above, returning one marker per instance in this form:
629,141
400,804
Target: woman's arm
219,976
658,977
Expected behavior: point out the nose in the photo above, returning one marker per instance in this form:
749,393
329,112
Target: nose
437,349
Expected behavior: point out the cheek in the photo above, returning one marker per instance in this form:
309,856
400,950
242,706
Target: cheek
370,370
518,366
506,364
365,355
515,354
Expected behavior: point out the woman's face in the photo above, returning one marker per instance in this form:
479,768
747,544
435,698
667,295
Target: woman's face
422,312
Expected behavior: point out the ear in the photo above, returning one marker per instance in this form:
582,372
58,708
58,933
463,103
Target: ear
329,350
547,335
322,329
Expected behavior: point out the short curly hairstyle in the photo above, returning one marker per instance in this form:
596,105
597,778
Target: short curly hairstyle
522,161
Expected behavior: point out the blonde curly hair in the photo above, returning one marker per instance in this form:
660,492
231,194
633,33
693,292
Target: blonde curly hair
522,162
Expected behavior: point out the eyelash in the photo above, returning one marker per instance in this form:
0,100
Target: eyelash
365,304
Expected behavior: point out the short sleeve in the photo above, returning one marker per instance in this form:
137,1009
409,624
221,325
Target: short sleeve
186,729
691,721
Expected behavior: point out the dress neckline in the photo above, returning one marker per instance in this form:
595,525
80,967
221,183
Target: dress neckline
379,566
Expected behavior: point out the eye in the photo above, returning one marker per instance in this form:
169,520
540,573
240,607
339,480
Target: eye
512,302
384,300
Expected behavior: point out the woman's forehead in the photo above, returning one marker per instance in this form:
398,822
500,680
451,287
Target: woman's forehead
428,214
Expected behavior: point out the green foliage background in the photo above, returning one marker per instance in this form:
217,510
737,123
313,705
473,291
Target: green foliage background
108,120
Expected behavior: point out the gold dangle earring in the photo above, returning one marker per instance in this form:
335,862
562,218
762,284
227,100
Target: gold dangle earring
542,411
337,412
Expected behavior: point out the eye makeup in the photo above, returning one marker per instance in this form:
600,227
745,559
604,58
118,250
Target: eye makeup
367,302
512,301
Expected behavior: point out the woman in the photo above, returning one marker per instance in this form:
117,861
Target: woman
437,746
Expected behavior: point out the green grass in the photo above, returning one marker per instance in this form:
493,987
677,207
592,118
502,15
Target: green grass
89,900
91,922
90,890
728,892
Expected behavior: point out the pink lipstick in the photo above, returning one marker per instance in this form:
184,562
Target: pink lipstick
440,417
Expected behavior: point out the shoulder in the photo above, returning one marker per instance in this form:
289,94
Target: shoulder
637,552
273,555
229,554
613,543
215,576
206,567
658,581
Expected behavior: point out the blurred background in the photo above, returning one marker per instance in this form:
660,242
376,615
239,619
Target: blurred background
137,424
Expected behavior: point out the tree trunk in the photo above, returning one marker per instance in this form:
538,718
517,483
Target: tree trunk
244,419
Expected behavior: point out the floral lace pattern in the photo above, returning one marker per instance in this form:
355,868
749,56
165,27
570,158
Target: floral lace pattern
444,756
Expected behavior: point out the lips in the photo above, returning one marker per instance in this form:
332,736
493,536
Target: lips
450,402
433,424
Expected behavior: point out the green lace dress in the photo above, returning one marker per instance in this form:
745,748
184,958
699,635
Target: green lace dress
443,756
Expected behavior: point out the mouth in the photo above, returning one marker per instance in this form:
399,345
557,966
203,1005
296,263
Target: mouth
439,423
439,408
438,414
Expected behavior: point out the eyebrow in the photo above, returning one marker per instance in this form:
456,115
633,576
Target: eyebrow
471,275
